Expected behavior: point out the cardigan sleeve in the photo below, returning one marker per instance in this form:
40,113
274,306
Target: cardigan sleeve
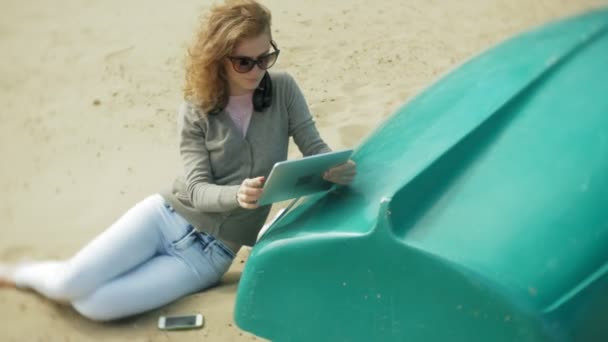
202,192
301,124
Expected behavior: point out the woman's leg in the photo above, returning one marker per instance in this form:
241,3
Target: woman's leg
159,281
193,263
132,240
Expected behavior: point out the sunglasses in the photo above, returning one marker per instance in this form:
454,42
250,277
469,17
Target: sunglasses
242,64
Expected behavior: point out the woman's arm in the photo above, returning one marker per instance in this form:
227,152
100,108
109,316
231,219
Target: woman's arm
301,125
305,134
202,192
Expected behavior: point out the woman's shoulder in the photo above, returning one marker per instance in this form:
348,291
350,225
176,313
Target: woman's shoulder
285,86
281,78
190,110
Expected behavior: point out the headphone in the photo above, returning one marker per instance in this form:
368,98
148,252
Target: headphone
262,96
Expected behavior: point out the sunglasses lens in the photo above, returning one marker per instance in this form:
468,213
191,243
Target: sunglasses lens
267,61
243,64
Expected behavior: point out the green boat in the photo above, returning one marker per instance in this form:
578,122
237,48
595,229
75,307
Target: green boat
479,213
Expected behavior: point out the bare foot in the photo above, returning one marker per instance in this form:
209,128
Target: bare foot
5,277
7,284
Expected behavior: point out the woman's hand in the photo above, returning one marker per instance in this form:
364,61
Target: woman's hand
249,192
342,174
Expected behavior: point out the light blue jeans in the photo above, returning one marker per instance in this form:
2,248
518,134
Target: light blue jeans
150,257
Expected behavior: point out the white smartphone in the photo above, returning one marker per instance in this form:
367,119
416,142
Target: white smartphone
180,322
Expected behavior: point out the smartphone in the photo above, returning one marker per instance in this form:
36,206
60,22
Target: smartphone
180,322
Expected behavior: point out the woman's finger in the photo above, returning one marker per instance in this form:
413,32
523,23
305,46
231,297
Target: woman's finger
248,198
335,174
348,173
248,205
247,202
245,199
256,192
340,180
257,182
344,181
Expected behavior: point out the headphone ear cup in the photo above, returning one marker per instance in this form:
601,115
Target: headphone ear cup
267,99
257,103
262,96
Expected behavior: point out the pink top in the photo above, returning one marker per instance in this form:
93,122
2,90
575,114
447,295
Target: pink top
240,109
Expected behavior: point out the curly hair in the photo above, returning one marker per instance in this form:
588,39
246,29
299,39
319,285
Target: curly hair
225,25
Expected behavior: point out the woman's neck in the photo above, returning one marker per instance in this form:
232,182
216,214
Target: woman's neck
243,94
238,91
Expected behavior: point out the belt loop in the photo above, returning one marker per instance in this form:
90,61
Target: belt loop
168,206
210,240
223,248
179,244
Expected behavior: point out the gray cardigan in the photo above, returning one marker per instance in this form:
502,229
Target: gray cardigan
217,158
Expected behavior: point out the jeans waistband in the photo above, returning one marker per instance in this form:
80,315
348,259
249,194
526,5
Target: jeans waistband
207,238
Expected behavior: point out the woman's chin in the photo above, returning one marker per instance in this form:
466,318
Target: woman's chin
252,84
246,86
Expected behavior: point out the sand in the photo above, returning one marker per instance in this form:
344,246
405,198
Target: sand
88,98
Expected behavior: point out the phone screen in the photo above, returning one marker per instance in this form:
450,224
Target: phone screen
180,321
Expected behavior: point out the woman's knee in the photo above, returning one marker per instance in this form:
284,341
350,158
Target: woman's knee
69,286
95,309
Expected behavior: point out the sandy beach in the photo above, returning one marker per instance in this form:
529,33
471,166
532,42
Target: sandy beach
88,98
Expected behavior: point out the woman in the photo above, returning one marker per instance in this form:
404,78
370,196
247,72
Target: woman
234,125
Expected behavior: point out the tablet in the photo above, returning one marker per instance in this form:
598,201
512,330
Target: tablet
300,177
